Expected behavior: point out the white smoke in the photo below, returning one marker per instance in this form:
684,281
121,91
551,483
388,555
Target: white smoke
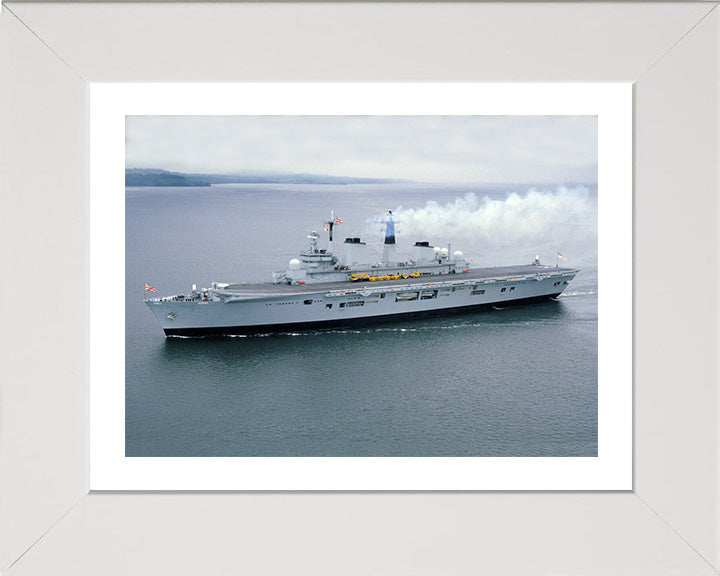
517,225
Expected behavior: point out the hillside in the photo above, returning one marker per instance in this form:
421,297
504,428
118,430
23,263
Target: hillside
158,177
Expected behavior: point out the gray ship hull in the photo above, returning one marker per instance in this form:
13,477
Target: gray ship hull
265,308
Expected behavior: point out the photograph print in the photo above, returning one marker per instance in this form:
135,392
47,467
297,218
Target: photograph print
361,286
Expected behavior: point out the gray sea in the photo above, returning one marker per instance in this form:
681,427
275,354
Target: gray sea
519,381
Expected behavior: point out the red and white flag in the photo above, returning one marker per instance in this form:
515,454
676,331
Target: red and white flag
149,288
338,220
561,256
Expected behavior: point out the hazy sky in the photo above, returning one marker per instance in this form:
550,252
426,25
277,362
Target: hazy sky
491,149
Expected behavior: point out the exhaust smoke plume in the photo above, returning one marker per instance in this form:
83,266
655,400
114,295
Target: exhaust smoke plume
516,226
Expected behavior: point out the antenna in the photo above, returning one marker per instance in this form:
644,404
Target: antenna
313,237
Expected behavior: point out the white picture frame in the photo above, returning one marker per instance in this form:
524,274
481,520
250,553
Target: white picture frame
667,524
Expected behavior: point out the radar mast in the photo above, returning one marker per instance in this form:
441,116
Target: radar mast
388,256
329,225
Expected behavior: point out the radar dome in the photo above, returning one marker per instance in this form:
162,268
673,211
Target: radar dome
294,264
436,249
457,255
444,251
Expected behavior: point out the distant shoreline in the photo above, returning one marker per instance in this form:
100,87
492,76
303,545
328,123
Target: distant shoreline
156,177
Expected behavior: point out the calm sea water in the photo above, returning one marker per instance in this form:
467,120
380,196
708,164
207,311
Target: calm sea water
514,382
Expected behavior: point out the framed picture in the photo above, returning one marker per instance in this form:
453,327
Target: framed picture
510,133
673,482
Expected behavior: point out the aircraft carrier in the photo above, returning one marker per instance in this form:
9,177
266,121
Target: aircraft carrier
320,289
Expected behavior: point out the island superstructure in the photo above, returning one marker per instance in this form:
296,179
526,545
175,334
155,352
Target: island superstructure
320,289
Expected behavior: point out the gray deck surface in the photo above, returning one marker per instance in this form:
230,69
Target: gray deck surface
321,287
